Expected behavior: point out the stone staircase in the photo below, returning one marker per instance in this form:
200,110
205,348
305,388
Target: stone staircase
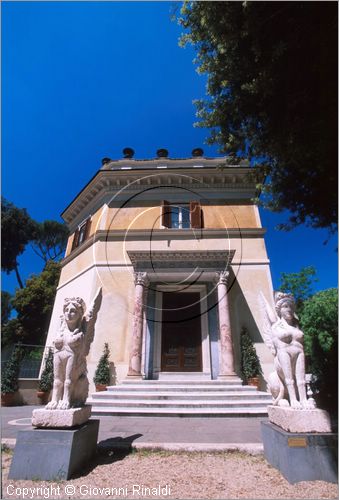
182,398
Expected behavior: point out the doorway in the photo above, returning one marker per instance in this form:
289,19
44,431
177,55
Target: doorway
181,332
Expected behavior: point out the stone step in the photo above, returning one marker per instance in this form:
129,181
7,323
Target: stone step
179,412
225,395
172,381
180,398
175,403
184,376
179,388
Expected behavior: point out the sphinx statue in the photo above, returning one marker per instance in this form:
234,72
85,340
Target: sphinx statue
284,338
71,346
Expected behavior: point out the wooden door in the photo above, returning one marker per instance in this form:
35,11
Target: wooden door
181,332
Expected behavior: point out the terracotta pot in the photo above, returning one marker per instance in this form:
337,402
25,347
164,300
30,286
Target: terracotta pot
254,381
43,396
100,387
7,398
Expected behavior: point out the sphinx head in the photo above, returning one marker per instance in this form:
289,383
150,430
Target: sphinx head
74,309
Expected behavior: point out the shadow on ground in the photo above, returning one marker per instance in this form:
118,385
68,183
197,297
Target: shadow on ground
109,451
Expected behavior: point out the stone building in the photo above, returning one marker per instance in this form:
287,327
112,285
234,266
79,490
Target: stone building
178,248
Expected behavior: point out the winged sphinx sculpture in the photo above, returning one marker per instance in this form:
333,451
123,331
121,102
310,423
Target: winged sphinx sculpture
71,346
284,338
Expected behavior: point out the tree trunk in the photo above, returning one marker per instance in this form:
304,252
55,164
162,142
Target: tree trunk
18,276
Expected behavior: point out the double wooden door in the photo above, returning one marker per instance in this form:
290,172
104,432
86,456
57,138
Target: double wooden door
181,332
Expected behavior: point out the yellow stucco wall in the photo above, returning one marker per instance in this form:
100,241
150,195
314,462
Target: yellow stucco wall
95,221
214,217
230,216
147,217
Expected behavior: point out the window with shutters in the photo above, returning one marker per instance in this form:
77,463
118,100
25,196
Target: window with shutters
81,234
181,215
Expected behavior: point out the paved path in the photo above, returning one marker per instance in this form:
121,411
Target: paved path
171,433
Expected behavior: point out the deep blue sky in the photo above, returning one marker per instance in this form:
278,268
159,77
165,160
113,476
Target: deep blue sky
83,80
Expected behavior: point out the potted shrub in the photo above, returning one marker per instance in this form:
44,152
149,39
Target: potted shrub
46,380
10,377
250,364
102,375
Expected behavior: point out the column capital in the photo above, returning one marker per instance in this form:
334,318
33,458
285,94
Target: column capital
221,277
141,279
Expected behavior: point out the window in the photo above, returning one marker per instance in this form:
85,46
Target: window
181,216
81,234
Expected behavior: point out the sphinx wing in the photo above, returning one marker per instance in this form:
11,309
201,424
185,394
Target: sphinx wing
268,318
90,319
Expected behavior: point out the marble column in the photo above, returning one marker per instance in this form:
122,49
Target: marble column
141,282
226,368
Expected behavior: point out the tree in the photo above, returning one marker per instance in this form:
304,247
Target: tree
10,376
250,364
319,322
12,332
34,304
17,230
102,374
47,376
6,306
50,239
300,285
272,95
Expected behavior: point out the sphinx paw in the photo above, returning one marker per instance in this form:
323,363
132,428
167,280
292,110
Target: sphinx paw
52,405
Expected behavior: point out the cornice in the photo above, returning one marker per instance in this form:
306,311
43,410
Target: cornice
233,180
188,259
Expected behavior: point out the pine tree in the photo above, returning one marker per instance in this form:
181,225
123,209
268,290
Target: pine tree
102,374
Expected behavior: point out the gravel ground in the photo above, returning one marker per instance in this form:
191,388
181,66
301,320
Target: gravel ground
187,475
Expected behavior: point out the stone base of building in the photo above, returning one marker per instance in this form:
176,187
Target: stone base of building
53,454
61,419
301,457
299,420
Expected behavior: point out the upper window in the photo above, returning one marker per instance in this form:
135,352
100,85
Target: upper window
81,234
181,216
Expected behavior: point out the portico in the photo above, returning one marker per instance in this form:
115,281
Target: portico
177,296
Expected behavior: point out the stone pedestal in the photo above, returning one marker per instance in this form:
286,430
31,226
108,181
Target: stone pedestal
61,418
301,456
53,454
299,420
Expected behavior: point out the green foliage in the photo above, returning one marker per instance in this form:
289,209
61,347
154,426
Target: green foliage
250,364
9,379
17,230
6,449
46,379
6,306
272,96
102,374
34,305
12,332
300,285
319,322
50,239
